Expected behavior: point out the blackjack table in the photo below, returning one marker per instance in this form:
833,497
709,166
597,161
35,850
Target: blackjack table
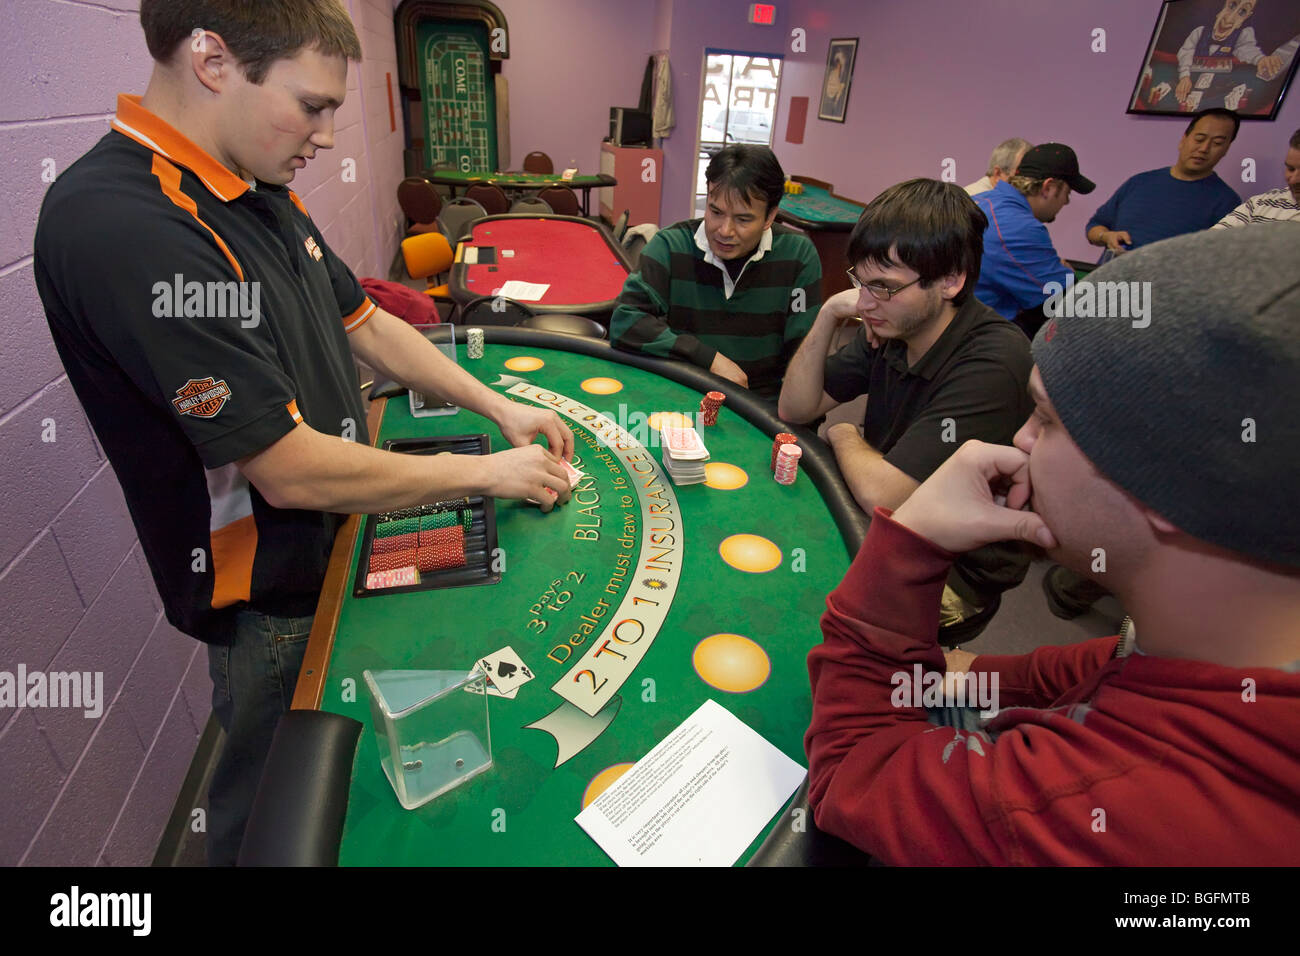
456,179
827,219
578,261
632,604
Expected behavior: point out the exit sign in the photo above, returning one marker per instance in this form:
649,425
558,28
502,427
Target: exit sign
764,14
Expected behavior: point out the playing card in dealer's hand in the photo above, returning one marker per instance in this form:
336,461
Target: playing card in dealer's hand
574,474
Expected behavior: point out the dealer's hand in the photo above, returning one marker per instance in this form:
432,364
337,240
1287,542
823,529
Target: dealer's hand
521,424
1182,89
527,472
724,367
1112,239
975,498
1268,67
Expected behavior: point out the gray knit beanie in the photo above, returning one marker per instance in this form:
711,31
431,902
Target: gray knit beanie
1178,374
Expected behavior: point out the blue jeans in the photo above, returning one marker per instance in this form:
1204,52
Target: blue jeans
253,678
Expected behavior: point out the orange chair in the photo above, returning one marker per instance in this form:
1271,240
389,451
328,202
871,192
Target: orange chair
490,196
538,162
420,204
562,199
428,256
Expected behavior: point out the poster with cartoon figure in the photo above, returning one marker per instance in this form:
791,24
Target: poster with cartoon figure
1235,54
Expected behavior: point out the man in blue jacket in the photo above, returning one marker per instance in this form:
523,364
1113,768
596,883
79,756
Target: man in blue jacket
1019,258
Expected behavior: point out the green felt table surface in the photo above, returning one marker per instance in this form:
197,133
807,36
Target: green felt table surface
452,176
817,205
521,811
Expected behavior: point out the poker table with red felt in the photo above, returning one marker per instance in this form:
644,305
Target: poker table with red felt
739,572
580,261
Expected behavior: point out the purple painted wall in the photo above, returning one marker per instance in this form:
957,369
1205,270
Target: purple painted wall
75,593
939,79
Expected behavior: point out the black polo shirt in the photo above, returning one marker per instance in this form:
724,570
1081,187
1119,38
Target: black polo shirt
972,383
200,318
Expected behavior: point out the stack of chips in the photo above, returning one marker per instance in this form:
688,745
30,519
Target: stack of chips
442,548
396,578
474,338
709,406
426,538
785,438
787,464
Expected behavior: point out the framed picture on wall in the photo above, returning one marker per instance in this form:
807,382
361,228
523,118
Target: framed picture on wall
1234,54
839,75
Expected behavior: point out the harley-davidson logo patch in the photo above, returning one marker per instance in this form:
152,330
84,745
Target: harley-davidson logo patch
313,249
201,397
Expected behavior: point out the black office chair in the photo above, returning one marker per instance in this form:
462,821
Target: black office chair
566,324
494,310
620,226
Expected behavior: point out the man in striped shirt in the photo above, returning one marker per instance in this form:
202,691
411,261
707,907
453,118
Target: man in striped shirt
731,292
1276,205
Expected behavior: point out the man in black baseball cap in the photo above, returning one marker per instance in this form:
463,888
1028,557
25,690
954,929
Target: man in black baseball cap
1021,266
1055,161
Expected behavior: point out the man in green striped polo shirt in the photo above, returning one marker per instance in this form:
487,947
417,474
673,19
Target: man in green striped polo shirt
730,292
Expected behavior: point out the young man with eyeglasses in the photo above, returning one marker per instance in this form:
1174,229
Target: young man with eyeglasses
938,367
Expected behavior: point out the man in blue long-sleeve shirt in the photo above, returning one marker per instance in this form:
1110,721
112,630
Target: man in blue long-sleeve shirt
1185,197
1019,258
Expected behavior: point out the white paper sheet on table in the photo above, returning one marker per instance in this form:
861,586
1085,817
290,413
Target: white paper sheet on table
699,798
523,291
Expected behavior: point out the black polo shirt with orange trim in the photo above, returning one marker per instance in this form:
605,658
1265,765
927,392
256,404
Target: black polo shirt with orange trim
200,318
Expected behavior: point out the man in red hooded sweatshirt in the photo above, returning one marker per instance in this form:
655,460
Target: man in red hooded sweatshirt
1161,460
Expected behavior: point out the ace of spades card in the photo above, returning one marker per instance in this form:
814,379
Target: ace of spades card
506,672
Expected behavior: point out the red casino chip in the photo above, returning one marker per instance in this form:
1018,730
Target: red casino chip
784,438
400,542
709,405
392,560
444,550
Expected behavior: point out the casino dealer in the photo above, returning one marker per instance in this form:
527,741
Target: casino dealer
234,367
